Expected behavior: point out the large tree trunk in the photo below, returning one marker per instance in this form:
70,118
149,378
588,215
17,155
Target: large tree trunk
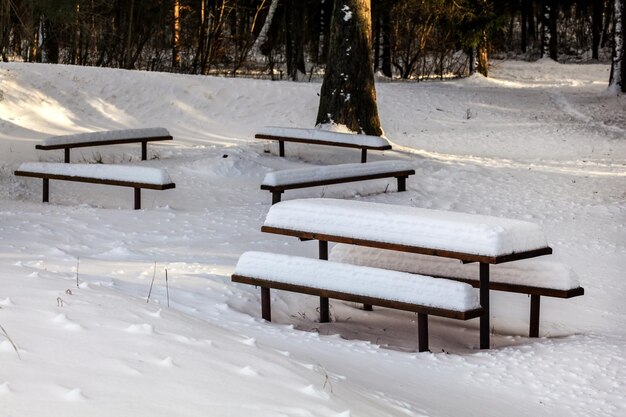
348,95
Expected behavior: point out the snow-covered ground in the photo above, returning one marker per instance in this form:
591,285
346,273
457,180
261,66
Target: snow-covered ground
538,142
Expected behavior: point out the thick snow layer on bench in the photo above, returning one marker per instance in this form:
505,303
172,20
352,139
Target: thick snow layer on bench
137,174
434,229
530,272
329,172
359,280
107,135
325,136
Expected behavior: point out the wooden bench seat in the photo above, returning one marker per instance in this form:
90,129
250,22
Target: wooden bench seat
108,137
323,137
533,277
279,181
392,289
120,175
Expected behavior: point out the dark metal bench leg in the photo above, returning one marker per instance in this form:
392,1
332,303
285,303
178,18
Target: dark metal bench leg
368,307
401,184
281,148
534,316
484,303
144,150
276,197
46,190
422,332
363,156
266,311
137,198
324,308
67,155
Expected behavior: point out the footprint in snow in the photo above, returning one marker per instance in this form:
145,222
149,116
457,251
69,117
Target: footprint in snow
167,362
74,395
67,324
140,329
312,391
250,341
248,371
7,302
5,388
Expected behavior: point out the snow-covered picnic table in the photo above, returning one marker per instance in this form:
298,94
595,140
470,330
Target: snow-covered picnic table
323,137
107,137
465,237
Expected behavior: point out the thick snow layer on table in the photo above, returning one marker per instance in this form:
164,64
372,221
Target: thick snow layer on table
106,135
128,173
531,272
325,136
328,172
359,280
435,229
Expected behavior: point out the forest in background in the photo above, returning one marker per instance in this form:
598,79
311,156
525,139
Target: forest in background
288,39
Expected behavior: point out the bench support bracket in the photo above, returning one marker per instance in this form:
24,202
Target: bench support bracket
266,310
46,190
281,148
144,150
137,198
484,303
422,332
276,195
534,315
67,155
363,155
401,184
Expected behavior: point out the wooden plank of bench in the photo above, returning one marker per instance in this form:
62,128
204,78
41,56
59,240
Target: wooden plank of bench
354,283
117,141
277,190
397,305
283,138
422,311
137,186
407,248
418,265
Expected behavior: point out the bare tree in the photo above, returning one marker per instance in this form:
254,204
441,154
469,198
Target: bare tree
617,83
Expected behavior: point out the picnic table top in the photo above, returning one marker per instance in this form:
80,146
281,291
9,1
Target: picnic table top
463,236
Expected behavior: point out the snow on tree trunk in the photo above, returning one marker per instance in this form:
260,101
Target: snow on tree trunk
616,82
348,94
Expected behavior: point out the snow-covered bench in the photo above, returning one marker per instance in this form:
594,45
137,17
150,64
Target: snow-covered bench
531,276
108,137
323,137
466,237
279,181
120,175
392,289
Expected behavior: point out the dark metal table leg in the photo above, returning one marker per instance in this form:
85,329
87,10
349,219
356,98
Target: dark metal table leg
137,198
324,307
46,190
484,303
